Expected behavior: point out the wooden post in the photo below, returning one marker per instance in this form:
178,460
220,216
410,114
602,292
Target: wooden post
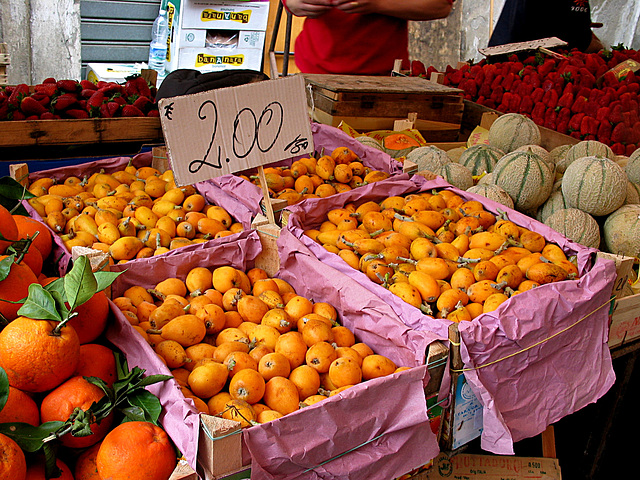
20,173
265,193
548,443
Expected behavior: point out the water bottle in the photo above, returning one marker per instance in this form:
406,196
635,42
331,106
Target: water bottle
158,46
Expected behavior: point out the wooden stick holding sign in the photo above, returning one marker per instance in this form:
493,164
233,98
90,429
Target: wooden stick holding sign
229,130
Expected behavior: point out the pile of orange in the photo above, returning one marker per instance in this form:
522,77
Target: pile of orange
443,254
320,177
246,346
131,213
45,366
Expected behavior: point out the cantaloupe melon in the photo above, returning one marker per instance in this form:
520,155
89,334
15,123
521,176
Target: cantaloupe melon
621,160
456,174
633,193
559,152
428,157
596,185
621,231
480,158
485,179
399,144
455,153
585,148
554,203
632,168
370,142
493,192
541,152
576,225
513,130
525,177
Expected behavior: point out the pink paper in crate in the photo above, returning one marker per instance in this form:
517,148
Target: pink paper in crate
541,355
380,437
179,418
324,137
546,312
60,254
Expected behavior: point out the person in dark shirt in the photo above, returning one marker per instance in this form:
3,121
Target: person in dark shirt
525,20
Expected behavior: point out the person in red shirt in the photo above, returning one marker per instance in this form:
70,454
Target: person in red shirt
362,37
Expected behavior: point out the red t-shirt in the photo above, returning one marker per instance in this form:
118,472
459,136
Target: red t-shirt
343,43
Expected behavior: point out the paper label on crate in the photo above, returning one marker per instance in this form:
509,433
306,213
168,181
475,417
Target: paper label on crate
228,130
510,48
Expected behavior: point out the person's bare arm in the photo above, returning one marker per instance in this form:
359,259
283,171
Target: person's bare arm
309,8
406,9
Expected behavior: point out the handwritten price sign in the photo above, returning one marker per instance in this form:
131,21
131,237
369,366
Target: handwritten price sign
233,129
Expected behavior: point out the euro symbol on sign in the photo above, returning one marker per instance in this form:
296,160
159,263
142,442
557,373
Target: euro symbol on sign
168,111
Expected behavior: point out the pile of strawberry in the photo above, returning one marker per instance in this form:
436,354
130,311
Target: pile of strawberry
53,99
561,94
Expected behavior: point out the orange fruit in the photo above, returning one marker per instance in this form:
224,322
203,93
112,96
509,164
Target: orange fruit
306,379
97,361
135,450
62,401
314,399
374,366
13,465
292,346
32,258
342,336
36,355
260,351
240,411
320,356
8,229
15,287
28,226
248,385
345,371
35,471
281,395
217,403
350,353
208,379
91,318
20,407
274,365
363,349
237,361
86,467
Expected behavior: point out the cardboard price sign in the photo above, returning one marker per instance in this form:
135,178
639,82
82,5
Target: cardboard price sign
232,129
510,48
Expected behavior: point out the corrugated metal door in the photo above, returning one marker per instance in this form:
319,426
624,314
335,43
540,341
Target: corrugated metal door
116,31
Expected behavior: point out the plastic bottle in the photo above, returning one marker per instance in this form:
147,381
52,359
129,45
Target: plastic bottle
158,46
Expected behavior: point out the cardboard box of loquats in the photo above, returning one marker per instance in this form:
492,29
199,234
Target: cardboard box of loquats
505,351
377,429
156,159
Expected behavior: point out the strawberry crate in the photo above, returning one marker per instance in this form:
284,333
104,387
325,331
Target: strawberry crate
375,430
519,360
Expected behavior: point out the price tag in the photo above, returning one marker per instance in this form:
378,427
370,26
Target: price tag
510,48
228,130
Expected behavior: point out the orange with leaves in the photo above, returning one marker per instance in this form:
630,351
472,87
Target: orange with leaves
13,464
86,467
62,401
15,286
36,470
91,318
136,450
38,355
27,227
97,361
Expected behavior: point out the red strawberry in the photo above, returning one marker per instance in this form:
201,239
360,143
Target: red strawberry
49,80
142,103
131,111
77,113
68,85
30,106
88,85
64,101
49,89
17,94
94,103
47,115
153,113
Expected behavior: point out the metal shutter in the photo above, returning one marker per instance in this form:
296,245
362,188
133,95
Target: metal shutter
116,31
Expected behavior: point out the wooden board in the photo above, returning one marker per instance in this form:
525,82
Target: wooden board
21,133
391,97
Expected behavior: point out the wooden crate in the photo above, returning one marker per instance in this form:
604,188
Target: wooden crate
4,63
369,103
29,133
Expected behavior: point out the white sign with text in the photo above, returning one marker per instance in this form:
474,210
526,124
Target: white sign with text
232,129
